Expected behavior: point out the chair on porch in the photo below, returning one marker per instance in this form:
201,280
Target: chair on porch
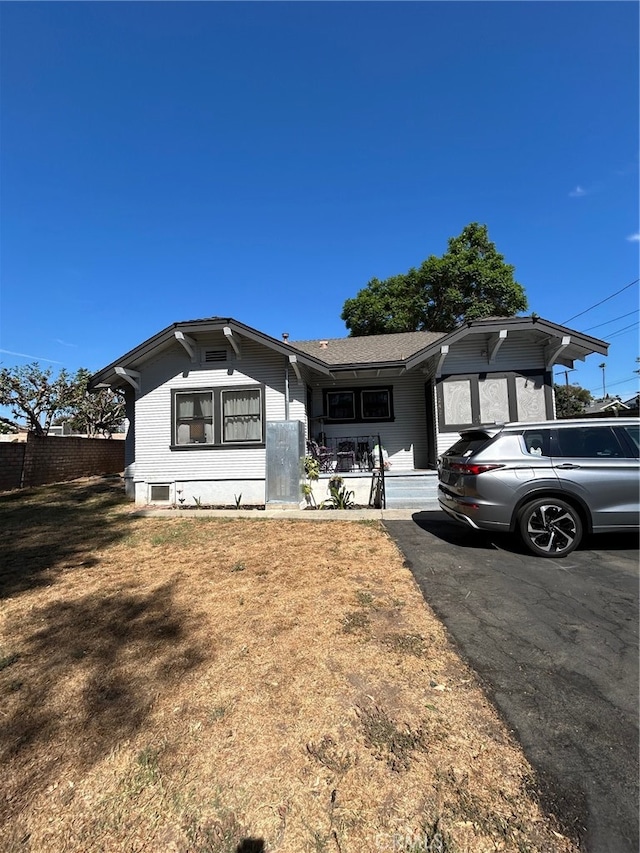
322,455
346,456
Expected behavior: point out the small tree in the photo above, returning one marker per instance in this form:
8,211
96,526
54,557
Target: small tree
571,400
98,412
33,396
37,399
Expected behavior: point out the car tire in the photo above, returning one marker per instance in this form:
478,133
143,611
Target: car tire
550,527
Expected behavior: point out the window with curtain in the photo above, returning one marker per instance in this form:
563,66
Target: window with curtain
242,415
194,417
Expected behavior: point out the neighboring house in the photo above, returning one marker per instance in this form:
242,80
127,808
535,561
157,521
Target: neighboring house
11,437
209,402
605,407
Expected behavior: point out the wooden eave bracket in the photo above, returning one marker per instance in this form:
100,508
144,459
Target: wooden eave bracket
555,349
495,342
131,376
188,343
293,361
228,333
444,352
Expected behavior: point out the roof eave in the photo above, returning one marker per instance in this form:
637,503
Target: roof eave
159,341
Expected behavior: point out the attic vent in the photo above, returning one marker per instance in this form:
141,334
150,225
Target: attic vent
210,356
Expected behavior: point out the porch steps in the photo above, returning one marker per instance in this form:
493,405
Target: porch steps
412,491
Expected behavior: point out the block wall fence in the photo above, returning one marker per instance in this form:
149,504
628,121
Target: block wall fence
54,459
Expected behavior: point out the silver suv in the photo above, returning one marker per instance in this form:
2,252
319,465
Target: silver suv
552,482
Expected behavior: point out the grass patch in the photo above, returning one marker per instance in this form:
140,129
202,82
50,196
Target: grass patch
387,740
156,696
364,598
328,753
7,660
405,644
355,622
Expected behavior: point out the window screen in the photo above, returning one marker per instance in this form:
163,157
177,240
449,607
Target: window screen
160,493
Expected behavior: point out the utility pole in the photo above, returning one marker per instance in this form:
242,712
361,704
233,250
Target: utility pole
604,389
566,375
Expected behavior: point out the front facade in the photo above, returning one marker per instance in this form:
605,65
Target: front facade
203,397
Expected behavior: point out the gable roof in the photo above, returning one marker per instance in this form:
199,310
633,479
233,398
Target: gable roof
412,348
400,351
133,359
606,404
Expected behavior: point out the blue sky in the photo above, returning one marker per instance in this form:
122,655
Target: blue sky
263,161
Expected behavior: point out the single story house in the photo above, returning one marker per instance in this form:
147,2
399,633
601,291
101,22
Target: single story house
218,409
606,407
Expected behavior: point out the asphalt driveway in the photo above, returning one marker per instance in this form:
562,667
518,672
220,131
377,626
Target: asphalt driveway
556,644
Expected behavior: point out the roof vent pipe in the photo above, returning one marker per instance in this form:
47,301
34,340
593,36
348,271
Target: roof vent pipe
324,344
285,336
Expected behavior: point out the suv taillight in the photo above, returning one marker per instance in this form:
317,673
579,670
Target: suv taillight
467,468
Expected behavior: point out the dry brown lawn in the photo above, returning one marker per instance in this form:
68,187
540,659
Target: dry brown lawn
210,685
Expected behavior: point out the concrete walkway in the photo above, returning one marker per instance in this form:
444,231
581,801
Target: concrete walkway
283,514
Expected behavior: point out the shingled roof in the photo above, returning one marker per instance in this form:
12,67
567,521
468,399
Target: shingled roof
369,349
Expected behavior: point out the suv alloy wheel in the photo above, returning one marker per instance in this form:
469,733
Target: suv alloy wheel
550,527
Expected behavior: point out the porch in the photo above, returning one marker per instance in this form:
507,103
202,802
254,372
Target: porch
416,490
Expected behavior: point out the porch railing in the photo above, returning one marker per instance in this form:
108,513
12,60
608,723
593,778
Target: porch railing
345,454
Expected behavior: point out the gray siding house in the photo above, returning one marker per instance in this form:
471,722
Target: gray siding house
204,397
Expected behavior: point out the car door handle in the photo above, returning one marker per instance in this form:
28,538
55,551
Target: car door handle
566,465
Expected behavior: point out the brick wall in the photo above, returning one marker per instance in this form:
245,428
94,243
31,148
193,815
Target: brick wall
11,462
53,459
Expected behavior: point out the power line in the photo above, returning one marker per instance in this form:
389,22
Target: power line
623,329
606,323
602,301
619,382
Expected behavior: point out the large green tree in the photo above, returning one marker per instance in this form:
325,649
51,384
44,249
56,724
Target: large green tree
571,400
468,282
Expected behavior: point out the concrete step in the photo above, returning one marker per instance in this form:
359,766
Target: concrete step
412,492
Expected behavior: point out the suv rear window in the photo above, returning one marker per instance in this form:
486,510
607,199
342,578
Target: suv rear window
536,441
469,443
